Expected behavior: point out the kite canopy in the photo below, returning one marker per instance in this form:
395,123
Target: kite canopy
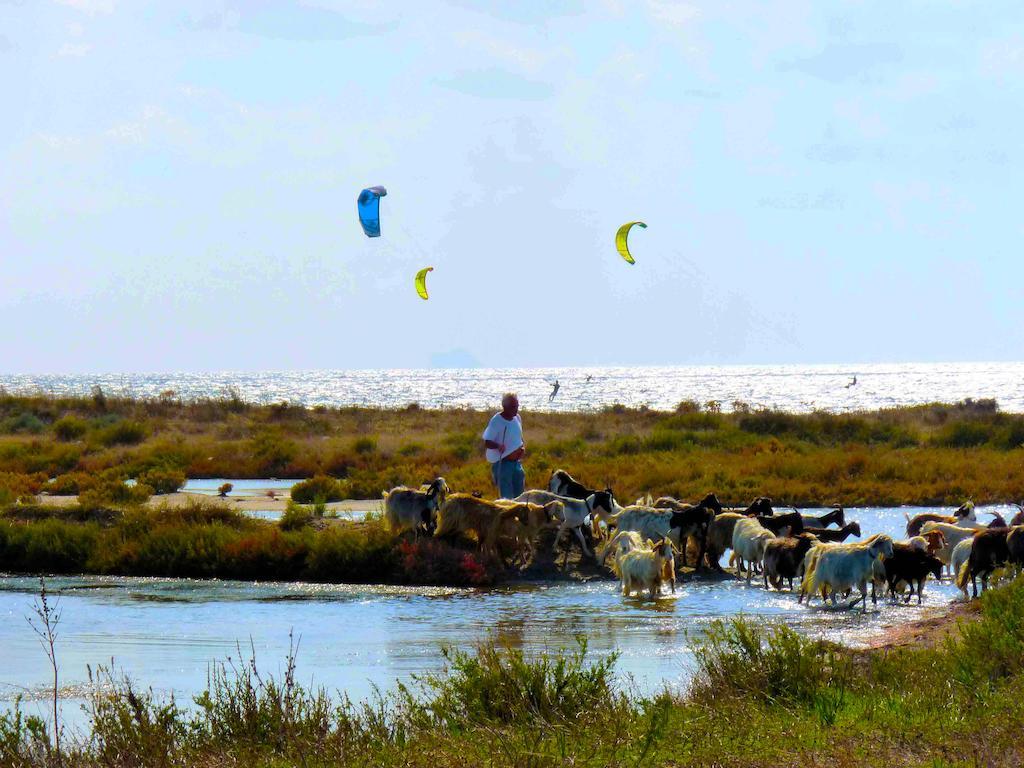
622,239
421,282
368,204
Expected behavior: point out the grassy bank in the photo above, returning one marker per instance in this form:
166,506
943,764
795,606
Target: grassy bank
923,455
206,540
762,696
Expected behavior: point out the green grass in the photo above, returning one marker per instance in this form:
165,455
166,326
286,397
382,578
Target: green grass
762,696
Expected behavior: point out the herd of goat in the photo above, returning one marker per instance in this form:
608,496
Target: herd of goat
640,542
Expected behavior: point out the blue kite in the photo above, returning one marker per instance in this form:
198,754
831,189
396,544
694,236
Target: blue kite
369,210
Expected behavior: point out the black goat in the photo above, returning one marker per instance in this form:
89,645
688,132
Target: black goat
837,516
694,521
834,537
775,523
909,564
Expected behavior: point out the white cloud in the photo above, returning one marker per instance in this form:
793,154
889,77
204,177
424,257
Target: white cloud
91,7
74,49
153,119
1003,59
54,141
526,59
672,12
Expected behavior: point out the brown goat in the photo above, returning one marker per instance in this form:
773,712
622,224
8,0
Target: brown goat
965,510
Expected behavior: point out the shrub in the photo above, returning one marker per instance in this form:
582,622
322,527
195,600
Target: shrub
47,546
769,423
224,490
500,685
70,484
320,488
114,491
771,663
70,428
427,561
21,483
272,452
992,648
122,433
24,423
965,434
361,553
364,446
163,480
295,517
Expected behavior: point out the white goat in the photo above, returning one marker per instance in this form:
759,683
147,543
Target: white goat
618,545
647,568
840,567
961,554
649,522
413,509
749,539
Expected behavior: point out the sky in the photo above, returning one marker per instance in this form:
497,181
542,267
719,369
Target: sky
822,182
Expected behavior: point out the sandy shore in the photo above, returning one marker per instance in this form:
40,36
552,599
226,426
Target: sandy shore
937,624
240,503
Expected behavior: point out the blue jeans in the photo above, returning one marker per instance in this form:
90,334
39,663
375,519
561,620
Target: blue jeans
509,478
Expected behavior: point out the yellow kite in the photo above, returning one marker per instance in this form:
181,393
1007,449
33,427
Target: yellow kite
421,282
621,239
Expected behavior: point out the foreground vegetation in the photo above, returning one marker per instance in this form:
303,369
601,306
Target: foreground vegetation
206,540
936,454
762,696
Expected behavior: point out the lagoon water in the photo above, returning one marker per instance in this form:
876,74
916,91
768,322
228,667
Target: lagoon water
166,633
797,388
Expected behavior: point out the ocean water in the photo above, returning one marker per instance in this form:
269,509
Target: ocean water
795,388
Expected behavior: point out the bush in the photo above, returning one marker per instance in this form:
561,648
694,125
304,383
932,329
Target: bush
114,491
225,489
70,484
364,446
428,561
357,553
991,649
295,517
272,452
772,663
163,480
499,685
22,484
70,428
317,489
23,423
965,434
122,433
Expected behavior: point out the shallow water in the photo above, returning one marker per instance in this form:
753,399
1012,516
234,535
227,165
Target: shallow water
166,632
239,487
797,388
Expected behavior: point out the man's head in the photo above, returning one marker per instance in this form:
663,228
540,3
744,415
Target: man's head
509,405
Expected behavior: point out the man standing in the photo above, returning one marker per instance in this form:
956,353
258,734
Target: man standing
503,440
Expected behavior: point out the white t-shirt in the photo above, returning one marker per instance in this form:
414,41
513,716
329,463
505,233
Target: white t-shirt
499,430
